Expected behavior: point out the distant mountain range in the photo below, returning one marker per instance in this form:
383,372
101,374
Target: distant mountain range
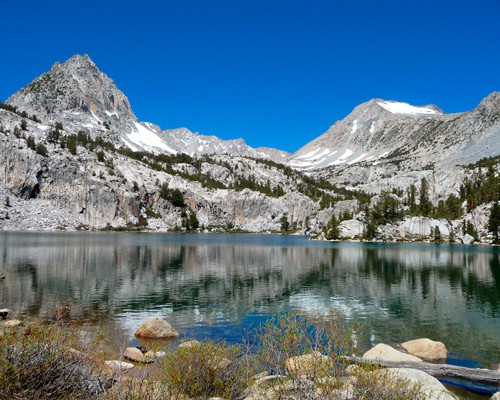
72,144
377,131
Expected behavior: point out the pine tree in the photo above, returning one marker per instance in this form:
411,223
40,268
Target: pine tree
425,204
494,221
285,224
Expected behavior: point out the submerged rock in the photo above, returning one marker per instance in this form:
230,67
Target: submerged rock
426,349
156,328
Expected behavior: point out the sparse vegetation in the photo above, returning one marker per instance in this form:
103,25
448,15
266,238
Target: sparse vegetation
41,149
37,362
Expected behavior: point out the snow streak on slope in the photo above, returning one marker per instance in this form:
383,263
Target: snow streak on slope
143,138
405,108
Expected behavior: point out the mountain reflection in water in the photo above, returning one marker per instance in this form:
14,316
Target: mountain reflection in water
218,285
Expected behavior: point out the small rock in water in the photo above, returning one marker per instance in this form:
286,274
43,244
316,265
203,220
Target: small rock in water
134,354
156,328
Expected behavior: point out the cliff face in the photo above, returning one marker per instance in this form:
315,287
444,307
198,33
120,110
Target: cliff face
93,188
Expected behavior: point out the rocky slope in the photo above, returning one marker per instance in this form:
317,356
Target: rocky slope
381,131
383,145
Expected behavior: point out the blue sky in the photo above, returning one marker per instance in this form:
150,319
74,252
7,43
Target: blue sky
276,73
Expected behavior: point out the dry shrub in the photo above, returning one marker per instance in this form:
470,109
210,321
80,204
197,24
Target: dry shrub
377,385
292,334
36,363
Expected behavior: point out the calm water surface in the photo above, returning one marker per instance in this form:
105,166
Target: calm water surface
220,286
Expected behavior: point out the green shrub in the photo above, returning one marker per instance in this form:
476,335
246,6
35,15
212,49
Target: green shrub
377,384
100,156
322,373
30,142
41,149
206,370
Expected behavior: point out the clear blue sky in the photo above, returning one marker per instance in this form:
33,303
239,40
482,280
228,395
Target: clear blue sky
276,73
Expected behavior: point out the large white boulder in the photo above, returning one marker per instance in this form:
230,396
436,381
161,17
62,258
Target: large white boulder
422,226
426,349
387,353
467,239
156,328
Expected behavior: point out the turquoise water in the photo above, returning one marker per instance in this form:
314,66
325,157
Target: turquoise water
220,286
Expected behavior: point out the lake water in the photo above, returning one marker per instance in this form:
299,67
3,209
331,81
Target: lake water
220,286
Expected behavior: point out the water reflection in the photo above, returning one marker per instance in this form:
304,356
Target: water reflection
219,284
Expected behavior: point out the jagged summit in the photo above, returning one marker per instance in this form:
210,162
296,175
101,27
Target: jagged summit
76,86
185,141
78,61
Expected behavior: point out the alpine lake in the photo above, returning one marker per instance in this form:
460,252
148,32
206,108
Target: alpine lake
223,286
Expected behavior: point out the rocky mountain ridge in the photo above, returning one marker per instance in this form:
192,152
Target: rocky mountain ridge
78,94
380,131
73,148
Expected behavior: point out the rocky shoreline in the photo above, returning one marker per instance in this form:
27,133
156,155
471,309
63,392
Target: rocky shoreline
306,373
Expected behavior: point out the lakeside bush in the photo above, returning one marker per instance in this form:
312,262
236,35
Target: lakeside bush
36,362
208,369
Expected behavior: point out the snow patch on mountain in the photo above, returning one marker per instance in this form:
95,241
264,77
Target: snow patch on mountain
144,138
372,127
354,126
405,108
